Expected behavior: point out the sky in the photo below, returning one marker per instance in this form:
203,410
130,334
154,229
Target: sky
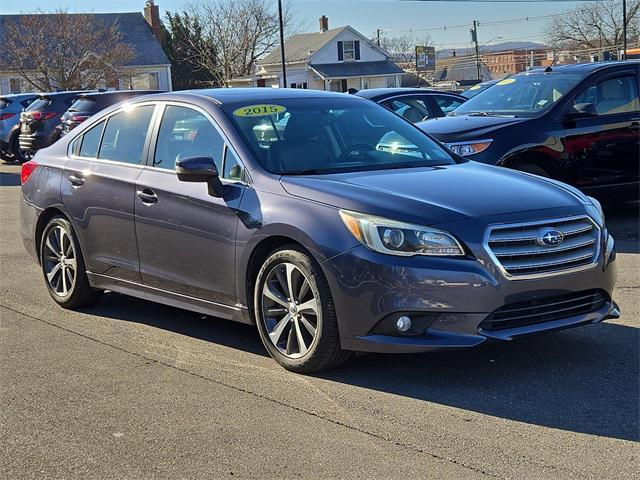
394,17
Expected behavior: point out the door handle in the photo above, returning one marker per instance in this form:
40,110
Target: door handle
76,180
147,196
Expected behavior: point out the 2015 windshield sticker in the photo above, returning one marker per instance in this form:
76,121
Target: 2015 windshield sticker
258,110
506,81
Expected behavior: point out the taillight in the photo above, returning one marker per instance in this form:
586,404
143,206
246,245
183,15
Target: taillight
27,169
42,116
78,118
6,116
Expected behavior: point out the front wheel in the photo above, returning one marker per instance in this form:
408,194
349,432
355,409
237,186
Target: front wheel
295,313
63,266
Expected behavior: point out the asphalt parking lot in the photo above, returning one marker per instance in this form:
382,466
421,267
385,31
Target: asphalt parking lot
131,389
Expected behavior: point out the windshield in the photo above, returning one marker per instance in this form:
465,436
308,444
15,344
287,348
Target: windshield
476,89
82,105
38,104
524,95
329,134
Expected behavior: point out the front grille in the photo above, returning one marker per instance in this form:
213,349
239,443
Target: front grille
518,250
545,310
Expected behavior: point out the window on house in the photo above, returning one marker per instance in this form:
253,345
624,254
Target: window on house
391,81
364,83
143,81
349,50
299,85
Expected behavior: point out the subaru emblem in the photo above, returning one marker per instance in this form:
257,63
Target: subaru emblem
550,238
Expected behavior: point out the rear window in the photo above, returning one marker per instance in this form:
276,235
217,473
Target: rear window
83,105
4,103
39,104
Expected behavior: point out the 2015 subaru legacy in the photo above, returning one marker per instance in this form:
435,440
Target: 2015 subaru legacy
328,221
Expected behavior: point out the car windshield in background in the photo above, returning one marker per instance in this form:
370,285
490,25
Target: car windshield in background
328,135
524,95
82,105
39,104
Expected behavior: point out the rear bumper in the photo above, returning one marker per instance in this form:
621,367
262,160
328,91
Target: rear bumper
460,294
32,142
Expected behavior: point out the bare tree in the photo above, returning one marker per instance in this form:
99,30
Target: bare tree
594,25
63,50
242,30
403,48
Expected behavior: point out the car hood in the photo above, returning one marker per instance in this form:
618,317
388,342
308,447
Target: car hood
465,127
431,195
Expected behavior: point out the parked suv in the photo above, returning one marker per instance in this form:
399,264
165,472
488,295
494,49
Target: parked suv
350,231
39,120
576,123
415,104
10,108
88,104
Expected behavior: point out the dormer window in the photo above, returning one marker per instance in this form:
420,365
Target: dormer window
349,50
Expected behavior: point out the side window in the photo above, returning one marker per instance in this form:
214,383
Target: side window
612,95
446,103
125,134
90,141
412,109
185,132
233,169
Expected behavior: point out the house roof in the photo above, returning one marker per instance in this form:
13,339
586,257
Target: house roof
301,46
135,32
356,69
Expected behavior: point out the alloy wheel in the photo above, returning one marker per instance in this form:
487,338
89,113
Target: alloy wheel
59,261
290,310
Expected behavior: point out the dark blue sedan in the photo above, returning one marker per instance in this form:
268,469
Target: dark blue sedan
326,220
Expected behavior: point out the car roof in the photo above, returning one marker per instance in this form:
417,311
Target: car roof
256,94
378,93
585,68
118,92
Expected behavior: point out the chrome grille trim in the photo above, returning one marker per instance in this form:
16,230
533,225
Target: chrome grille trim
513,247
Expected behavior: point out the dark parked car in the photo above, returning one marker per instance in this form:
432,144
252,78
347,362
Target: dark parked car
10,108
576,123
476,89
39,120
350,230
88,104
414,104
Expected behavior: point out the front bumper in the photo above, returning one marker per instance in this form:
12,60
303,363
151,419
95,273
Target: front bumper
368,287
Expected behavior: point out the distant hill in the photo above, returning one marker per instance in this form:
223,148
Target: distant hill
496,47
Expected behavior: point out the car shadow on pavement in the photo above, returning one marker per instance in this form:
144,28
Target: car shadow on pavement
9,179
584,380
211,329
623,222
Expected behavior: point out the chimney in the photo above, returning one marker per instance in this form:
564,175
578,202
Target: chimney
152,16
324,23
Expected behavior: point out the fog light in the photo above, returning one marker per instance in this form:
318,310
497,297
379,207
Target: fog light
403,324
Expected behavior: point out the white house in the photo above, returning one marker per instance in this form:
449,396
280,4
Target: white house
148,69
336,60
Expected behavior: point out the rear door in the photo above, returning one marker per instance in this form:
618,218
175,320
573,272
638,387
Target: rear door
413,108
186,237
603,150
98,190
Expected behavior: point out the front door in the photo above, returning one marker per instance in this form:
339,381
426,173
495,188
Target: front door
98,191
603,150
186,237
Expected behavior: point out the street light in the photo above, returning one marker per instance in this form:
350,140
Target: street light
475,39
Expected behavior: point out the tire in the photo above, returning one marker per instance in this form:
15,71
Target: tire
533,168
59,255
285,325
18,154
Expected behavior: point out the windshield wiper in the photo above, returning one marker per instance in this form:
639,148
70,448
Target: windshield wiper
306,171
489,114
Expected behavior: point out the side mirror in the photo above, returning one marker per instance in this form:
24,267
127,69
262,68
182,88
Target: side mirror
201,170
581,110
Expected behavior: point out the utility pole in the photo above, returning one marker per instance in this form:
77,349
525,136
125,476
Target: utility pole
378,36
624,29
474,39
284,67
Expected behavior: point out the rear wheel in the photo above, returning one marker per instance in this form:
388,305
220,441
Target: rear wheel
295,313
63,266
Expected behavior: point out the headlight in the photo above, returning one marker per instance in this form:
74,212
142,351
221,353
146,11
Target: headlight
595,211
397,238
465,149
